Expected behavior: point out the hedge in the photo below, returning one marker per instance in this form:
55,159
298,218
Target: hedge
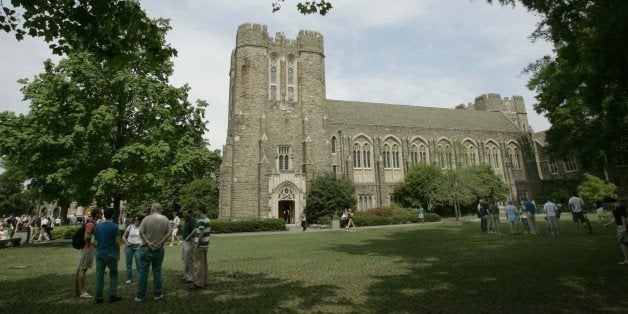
256,225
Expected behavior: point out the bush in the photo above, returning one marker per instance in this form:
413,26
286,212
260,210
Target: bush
227,226
64,232
393,215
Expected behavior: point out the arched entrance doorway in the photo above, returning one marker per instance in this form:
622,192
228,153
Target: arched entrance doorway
286,207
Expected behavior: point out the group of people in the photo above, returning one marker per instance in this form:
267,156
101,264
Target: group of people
39,227
143,242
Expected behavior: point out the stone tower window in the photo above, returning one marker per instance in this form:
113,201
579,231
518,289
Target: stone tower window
290,73
284,158
333,144
290,76
272,73
553,167
515,157
495,157
570,164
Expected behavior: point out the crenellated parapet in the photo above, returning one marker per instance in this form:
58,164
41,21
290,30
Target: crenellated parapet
250,34
311,41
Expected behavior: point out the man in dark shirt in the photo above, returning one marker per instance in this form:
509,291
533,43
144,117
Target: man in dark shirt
187,247
107,236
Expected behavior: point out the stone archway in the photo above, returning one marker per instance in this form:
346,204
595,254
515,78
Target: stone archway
287,197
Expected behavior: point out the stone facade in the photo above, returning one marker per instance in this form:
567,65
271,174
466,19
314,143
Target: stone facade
283,131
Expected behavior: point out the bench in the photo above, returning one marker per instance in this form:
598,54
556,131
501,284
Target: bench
10,242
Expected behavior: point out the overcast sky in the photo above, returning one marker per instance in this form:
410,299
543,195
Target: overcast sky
436,53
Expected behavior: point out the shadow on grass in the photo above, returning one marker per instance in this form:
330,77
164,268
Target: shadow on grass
228,292
455,269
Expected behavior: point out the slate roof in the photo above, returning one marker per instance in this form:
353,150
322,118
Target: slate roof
540,137
363,113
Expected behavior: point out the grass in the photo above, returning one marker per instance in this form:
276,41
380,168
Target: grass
397,269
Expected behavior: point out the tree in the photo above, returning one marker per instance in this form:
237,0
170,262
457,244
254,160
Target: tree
321,7
593,189
201,193
102,132
420,186
329,195
13,198
117,31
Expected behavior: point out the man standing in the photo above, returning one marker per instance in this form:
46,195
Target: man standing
576,205
494,211
87,256
531,210
175,227
201,246
482,214
552,220
107,236
154,231
188,245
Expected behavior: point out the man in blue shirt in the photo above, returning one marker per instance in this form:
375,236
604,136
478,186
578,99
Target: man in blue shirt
107,235
531,209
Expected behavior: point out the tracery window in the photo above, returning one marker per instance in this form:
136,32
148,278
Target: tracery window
423,154
495,157
396,161
290,95
472,154
553,167
357,156
386,156
366,152
414,155
284,158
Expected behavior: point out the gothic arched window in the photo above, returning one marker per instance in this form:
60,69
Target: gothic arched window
423,154
386,156
395,157
366,151
333,144
414,155
356,156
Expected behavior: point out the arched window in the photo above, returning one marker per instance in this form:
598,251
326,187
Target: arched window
366,152
487,157
395,157
414,155
273,92
423,154
449,157
333,144
273,75
284,158
356,156
386,156
290,76
473,155
495,157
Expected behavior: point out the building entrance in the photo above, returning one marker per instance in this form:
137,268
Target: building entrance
286,208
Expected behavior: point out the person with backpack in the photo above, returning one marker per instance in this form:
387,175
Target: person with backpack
86,259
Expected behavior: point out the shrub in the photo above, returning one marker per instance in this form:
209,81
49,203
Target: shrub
390,216
227,226
64,232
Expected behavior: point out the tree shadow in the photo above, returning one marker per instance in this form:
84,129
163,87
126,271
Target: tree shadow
227,292
449,269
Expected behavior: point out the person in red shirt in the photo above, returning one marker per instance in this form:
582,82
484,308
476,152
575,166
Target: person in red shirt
87,256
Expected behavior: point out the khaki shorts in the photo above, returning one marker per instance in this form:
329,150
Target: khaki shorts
87,259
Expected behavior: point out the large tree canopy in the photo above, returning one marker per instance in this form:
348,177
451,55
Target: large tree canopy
106,133
116,31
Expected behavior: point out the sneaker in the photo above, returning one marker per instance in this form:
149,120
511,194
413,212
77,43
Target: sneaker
158,297
114,299
138,300
128,281
85,295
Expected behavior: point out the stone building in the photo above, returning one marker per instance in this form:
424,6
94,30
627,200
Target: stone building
283,131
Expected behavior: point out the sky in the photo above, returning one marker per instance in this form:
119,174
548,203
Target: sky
435,53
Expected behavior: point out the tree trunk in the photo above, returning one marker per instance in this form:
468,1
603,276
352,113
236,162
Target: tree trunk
116,209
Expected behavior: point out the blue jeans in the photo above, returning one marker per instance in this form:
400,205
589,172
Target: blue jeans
484,223
110,261
131,253
148,258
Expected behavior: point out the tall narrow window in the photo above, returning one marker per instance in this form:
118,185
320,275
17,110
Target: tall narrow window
414,155
570,164
273,92
333,144
472,154
284,158
423,154
290,94
290,76
356,156
366,151
386,156
396,161
273,75
553,167
495,157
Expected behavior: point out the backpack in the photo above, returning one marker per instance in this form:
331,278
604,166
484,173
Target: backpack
78,239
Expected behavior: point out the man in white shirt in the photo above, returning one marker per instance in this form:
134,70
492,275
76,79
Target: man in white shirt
551,209
577,205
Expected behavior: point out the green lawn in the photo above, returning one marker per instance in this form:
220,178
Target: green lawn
401,269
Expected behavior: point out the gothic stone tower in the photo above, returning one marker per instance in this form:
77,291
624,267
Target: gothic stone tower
276,123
